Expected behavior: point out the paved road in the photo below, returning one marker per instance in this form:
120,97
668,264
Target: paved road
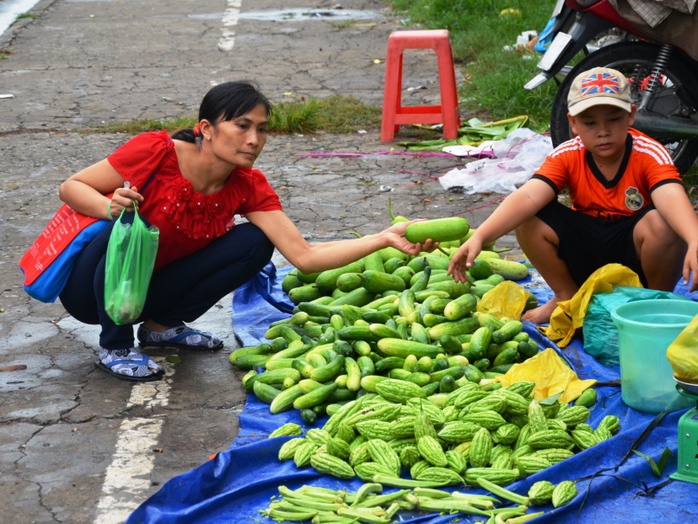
76,445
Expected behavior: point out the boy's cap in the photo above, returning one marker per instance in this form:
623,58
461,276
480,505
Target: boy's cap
599,86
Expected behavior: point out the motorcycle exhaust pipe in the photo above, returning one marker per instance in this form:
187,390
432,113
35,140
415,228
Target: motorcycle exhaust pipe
662,127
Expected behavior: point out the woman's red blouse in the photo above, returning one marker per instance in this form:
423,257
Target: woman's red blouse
188,221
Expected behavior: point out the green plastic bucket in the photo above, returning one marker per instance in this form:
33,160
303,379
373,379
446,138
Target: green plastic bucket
646,328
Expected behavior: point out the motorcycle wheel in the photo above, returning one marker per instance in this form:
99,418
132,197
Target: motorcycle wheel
632,58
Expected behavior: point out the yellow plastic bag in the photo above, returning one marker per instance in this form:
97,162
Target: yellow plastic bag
568,316
506,299
551,374
683,353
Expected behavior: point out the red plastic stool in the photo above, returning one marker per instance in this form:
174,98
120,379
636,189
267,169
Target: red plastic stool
394,113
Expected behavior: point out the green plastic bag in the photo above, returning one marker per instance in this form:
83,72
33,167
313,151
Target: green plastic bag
599,332
129,266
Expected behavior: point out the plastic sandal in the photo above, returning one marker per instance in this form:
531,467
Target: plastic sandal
133,364
179,337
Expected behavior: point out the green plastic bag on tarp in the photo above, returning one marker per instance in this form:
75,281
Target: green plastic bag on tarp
129,266
599,332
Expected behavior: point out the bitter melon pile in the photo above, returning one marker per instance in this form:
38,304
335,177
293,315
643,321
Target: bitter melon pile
500,435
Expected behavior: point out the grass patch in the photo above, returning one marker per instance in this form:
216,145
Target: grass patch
135,127
336,114
26,15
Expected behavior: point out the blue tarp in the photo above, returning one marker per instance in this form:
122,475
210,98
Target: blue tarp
239,482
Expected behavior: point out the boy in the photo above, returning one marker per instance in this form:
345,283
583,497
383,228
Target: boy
628,202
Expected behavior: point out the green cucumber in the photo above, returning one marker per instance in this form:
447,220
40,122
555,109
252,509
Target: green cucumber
328,371
284,400
350,281
392,264
438,230
405,273
398,347
353,374
326,281
315,397
437,261
265,392
374,262
358,297
376,317
259,349
507,356
480,341
386,364
291,281
315,309
419,333
276,376
304,293
418,263
406,303
460,307
379,281
453,288
480,270
420,284
459,327
383,331
507,332
366,366
509,269
480,287
248,362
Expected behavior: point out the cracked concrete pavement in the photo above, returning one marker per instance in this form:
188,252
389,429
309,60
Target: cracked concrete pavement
76,445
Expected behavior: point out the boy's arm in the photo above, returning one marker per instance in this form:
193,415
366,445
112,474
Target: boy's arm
517,208
675,207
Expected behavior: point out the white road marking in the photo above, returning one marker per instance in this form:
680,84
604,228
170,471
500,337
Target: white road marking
230,20
128,476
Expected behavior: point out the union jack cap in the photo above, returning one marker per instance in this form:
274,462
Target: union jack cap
599,86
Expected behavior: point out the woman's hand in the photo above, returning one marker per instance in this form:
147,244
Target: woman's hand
123,198
395,238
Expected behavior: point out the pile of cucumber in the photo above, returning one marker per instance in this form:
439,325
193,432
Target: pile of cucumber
388,315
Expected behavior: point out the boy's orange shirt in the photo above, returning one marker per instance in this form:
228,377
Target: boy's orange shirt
646,165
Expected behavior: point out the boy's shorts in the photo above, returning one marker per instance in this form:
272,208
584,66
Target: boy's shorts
588,243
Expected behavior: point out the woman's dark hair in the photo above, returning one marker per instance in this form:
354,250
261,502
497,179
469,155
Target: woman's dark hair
227,101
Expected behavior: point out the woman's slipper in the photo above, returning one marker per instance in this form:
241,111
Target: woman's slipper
179,337
129,364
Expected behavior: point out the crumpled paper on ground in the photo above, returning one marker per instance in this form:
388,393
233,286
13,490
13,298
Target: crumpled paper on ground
514,160
568,316
551,374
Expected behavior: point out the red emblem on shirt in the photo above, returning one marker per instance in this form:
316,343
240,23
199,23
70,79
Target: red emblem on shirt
600,83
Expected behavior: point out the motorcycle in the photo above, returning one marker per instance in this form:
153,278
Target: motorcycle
662,75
